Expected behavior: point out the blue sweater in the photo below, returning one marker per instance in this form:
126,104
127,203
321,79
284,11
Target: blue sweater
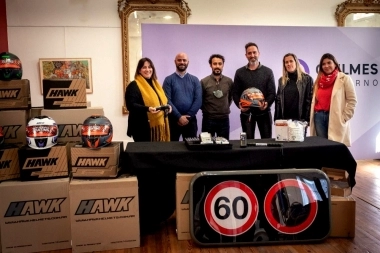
184,94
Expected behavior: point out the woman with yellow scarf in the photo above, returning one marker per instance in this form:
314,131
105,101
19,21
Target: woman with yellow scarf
143,96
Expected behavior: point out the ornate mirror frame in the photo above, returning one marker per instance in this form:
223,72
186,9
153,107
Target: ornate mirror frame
127,7
355,6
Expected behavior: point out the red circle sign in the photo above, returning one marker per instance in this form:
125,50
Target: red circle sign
231,208
273,218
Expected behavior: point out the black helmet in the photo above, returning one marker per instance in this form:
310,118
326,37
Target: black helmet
96,131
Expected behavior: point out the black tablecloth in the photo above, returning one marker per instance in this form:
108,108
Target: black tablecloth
156,163
314,152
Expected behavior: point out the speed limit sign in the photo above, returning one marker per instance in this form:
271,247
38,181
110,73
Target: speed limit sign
231,208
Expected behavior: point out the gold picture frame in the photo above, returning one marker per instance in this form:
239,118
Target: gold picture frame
66,68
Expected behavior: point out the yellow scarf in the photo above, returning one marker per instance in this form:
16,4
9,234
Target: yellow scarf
159,124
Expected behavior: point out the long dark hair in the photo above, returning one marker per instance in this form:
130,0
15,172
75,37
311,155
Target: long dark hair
330,57
141,63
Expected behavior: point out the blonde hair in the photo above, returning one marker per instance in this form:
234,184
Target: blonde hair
299,68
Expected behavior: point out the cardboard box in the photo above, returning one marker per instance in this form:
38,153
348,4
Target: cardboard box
182,211
14,124
70,121
35,216
37,164
102,162
15,94
104,214
343,211
281,130
64,93
9,163
339,182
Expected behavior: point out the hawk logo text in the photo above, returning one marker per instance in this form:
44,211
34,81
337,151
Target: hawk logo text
9,93
60,93
32,207
91,162
32,163
91,206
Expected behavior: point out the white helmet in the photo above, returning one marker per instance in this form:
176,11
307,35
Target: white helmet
41,132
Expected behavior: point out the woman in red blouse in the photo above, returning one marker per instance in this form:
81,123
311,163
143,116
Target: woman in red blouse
334,101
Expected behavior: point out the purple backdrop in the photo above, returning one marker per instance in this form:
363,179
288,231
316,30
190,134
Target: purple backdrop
355,48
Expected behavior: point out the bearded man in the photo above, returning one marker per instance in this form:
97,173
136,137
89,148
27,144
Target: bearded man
184,94
255,75
216,99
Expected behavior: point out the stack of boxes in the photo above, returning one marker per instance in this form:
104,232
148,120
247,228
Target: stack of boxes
99,200
30,210
15,108
343,205
41,192
65,101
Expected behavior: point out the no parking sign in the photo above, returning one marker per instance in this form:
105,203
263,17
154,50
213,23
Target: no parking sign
259,206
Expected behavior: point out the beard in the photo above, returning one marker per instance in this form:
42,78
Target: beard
216,72
253,61
181,67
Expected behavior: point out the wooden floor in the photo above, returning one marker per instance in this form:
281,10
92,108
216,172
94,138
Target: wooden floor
367,239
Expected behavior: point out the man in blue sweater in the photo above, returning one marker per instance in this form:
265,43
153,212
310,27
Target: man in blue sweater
255,75
184,94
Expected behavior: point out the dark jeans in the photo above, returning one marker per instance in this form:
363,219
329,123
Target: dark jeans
264,123
321,122
189,130
218,127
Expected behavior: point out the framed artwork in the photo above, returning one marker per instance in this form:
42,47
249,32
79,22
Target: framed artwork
66,68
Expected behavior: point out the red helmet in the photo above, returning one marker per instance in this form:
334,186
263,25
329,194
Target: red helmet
251,97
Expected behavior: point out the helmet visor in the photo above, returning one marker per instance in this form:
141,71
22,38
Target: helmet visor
41,131
95,130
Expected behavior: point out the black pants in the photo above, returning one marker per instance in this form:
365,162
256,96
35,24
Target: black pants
216,127
189,130
264,123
